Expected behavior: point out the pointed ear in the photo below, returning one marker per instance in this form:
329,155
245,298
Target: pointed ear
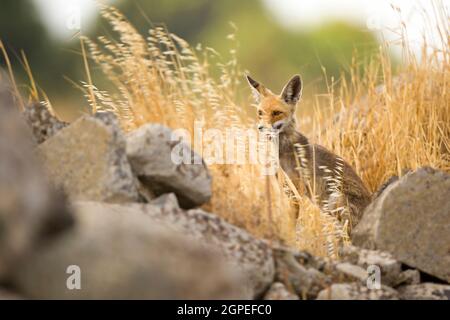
258,89
292,91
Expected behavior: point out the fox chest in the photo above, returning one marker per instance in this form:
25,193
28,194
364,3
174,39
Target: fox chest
305,178
289,165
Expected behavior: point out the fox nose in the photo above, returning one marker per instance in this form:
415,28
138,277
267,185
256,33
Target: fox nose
277,126
260,127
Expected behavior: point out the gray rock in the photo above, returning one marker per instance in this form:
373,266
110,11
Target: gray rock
88,160
411,220
42,123
250,256
151,151
120,254
31,211
425,291
356,291
309,261
278,291
352,272
389,267
408,277
6,294
306,282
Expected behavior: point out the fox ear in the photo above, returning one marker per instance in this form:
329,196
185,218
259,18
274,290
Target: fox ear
258,89
292,91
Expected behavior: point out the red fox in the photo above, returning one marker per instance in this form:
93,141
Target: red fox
325,176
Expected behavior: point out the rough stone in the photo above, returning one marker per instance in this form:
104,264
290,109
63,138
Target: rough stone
425,291
356,291
306,282
153,152
389,267
42,122
408,277
411,220
6,294
31,211
278,291
88,160
252,257
120,254
352,272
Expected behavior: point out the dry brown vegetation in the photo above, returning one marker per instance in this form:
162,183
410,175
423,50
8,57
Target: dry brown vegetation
382,120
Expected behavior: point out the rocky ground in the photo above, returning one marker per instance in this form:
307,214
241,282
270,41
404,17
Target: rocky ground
114,205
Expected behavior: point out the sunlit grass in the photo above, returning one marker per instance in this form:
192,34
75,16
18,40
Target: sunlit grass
381,121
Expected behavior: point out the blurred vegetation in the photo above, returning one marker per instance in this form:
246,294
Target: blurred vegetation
22,29
269,51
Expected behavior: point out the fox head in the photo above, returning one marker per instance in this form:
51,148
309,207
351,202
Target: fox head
276,112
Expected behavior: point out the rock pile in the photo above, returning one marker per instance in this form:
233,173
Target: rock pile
31,210
89,212
411,220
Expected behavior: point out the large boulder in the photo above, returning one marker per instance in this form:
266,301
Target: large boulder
250,256
116,252
42,122
156,157
31,211
253,256
88,160
411,220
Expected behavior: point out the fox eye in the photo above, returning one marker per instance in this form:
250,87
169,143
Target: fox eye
276,113
260,113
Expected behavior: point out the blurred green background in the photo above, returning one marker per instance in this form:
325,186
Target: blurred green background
267,48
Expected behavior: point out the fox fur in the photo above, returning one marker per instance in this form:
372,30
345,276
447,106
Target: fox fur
305,163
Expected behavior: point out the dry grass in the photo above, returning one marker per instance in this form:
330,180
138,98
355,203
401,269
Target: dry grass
381,121
397,123
161,78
